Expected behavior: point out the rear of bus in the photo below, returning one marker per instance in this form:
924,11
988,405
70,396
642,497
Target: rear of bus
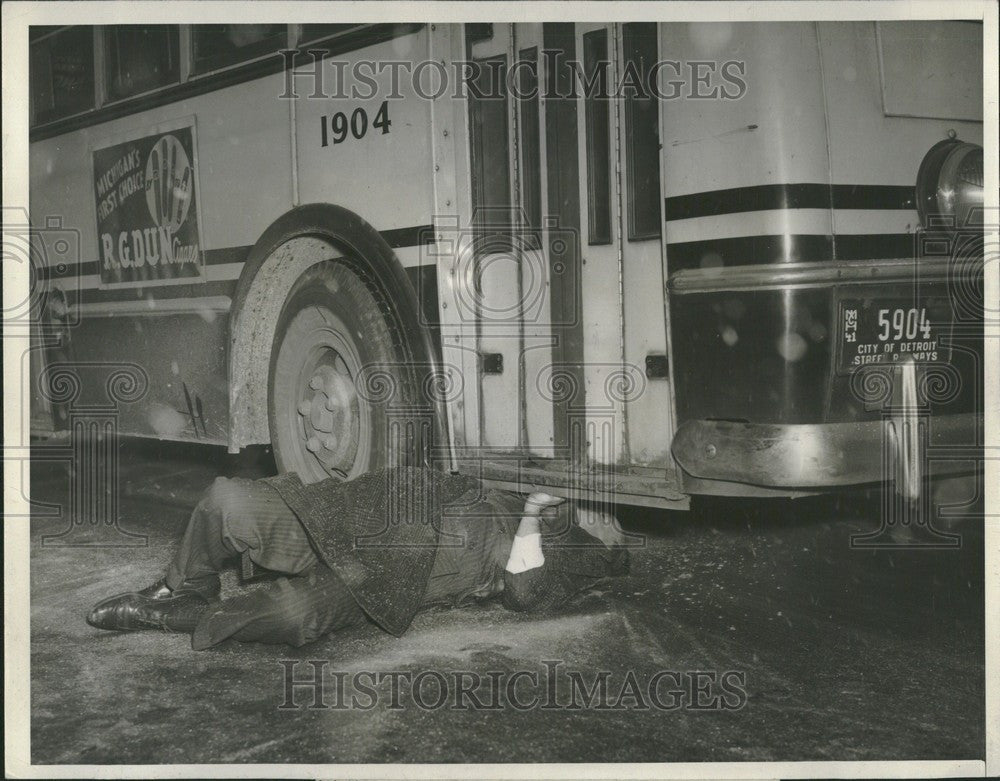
824,245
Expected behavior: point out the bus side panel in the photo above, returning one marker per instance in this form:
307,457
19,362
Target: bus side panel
175,331
648,408
731,167
183,360
382,173
866,145
773,135
244,161
244,143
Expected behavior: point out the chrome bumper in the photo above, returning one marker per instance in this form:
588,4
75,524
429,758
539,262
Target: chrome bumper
823,455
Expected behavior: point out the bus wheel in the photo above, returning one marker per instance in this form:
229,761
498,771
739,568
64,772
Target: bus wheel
330,331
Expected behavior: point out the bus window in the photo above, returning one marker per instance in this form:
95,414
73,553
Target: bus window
642,137
490,147
140,58
597,116
217,46
531,166
62,72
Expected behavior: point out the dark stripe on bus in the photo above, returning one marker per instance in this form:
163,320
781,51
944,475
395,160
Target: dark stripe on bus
397,238
351,41
875,246
802,248
874,196
415,236
766,197
216,257
213,257
424,281
194,290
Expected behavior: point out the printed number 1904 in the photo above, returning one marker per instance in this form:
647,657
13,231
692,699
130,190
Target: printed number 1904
336,128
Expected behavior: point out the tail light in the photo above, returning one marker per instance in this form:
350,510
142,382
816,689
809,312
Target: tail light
950,186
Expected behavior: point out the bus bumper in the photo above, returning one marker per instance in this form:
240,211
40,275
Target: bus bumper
827,455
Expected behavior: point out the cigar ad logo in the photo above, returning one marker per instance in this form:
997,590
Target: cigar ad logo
147,220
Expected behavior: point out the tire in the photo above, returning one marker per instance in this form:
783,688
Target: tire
335,342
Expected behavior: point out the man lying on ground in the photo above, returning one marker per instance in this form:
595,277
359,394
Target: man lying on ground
380,548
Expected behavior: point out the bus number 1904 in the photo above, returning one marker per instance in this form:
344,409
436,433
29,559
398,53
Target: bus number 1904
337,127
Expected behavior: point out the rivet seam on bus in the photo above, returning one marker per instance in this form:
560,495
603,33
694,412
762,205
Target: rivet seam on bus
710,451
445,132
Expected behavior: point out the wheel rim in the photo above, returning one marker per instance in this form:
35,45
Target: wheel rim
323,424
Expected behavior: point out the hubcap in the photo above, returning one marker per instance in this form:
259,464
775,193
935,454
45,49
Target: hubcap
329,416
323,426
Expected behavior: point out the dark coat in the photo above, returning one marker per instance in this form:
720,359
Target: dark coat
379,532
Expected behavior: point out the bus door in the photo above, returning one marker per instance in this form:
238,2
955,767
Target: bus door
571,325
629,421
510,267
649,406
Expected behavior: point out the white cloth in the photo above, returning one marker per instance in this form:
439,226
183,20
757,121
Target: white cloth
525,554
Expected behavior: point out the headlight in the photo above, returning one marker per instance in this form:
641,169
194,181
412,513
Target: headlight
950,186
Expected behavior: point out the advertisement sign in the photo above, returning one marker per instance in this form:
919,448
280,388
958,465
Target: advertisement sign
147,211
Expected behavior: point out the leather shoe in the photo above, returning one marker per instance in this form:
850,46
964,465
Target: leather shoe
207,587
154,607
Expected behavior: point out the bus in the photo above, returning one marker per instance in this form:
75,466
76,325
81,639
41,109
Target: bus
631,262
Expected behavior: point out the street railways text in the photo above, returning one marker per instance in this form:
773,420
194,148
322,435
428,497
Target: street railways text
892,352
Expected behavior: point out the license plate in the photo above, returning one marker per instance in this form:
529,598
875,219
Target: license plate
888,330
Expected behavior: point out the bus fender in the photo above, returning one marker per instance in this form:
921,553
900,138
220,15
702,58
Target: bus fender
293,243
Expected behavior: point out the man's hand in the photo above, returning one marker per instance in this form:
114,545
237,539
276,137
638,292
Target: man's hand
526,551
534,506
539,501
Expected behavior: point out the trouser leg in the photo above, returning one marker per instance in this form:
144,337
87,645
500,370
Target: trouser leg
295,610
239,516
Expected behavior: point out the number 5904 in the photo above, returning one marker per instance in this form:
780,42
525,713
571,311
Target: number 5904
899,324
